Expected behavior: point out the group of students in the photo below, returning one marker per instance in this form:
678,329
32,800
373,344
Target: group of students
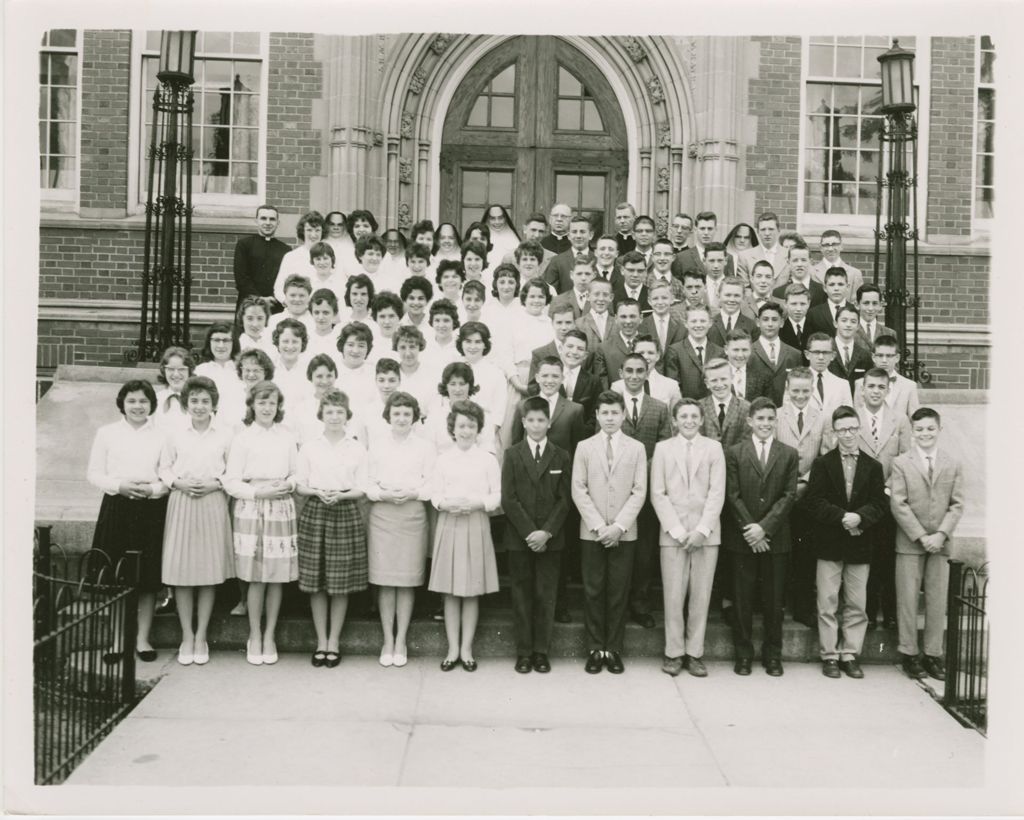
638,409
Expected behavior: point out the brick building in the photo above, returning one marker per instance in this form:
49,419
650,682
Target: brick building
437,125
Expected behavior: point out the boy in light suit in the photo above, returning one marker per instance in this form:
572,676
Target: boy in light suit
828,390
902,397
687,491
927,501
609,485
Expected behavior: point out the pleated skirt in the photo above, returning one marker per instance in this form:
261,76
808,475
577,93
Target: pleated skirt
126,524
266,548
463,560
398,539
332,547
198,547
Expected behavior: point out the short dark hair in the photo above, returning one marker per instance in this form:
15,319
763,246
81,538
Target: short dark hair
529,247
324,295
365,243
322,249
475,286
295,326
507,270
262,359
834,273
467,330
358,215
843,411
320,360
627,302
259,390
768,216
770,307
868,287
137,386
402,399
474,247
737,334
423,226
297,280
762,263
632,258
386,299
646,220
925,413
446,265
360,280
686,401
877,373
200,384
817,336
206,355
387,365
314,218
469,409
578,334
459,370
610,397
334,398
529,285
408,333
420,283
647,338
535,404
552,361
761,403
266,207
699,275
797,289
886,340
848,308
714,246
180,352
417,251
444,307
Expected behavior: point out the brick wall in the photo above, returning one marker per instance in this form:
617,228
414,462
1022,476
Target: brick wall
956,366
951,136
94,343
773,162
293,155
106,59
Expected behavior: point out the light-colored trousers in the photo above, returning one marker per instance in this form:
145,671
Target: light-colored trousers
685,572
843,638
910,568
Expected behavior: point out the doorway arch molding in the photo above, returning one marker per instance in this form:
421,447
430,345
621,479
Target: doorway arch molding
652,88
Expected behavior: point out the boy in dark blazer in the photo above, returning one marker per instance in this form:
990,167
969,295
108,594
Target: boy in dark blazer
565,417
535,493
845,502
685,360
760,489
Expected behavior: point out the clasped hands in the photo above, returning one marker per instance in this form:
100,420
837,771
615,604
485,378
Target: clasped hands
756,537
196,487
135,489
609,535
459,505
851,522
933,542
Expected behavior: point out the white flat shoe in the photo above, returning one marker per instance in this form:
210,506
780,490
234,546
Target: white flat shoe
255,658
269,658
400,660
185,658
202,656
387,659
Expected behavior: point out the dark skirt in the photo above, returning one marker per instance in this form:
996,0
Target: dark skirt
126,524
332,547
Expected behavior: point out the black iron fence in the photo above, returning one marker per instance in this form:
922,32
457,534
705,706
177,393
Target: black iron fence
967,635
85,611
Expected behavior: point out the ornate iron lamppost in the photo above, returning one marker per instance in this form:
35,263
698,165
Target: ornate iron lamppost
167,268
898,175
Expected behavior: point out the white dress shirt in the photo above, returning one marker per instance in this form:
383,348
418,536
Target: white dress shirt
259,454
323,465
400,464
122,453
472,474
189,453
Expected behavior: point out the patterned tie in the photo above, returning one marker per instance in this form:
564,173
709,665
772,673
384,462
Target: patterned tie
536,454
721,415
874,429
771,353
846,357
799,329
931,471
608,452
636,414
800,422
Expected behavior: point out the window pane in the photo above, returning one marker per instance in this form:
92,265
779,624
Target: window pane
847,61
988,58
62,103
984,171
817,129
867,203
247,76
844,165
819,98
820,62
815,164
873,68
474,187
44,98
868,166
478,113
986,135
850,41
246,42
983,203
568,85
500,188
44,142
502,112
591,117
244,144
63,69
814,197
216,42
62,139
845,99
593,192
569,115
986,104
246,110
217,74
505,82
243,178
469,216
843,199
62,38
879,40
871,100
567,190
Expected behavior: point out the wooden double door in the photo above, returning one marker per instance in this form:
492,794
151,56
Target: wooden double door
533,123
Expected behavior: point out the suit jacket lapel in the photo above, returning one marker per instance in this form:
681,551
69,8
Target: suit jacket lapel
752,456
773,456
860,477
679,454
559,407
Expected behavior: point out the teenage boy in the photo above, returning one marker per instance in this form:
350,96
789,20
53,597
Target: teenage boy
831,257
597,323
902,397
609,485
822,318
761,478
687,492
761,279
647,421
730,317
559,272
578,296
534,230
694,258
927,502
663,322
578,383
297,293
829,391
771,358
794,330
565,417
610,354
768,247
723,412
695,294
884,435
606,252
644,231
852,359
799,259
845,502
800,424
661,269
685,360
747,383
869,303
634,281
717,266
562,322
535,493
661,387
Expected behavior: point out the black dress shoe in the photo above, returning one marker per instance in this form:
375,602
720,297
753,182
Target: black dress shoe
773,666
469,666
935,667
594,662
645,619
540,662
146,655
695,666
830,668
742,666
613,663
331,659
523,665
563,616
912,667
449,665
851,668
319,657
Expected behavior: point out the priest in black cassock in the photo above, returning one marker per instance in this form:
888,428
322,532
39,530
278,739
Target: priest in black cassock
257,258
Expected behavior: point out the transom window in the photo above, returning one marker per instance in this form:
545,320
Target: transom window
228,116
481,188
58,113
496,105
984,175
577,110
585,194
842,105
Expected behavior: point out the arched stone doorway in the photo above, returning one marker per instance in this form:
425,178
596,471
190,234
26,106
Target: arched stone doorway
532,123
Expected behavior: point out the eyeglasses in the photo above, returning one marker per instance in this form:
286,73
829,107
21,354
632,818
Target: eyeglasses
847,431
819,352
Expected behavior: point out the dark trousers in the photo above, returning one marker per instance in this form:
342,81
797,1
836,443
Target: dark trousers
646,561
570,566
882,580
606,578
766,573
534,577
802,596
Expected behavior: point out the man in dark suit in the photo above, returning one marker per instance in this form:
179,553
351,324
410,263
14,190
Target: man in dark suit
794,330
647,421
724,414
625,216
559,271
634,281
821,318
258,257
845,500
685,360
747,382
761,476
730,300
852,359
662,323
577,296
770,357
693,257
565,417
557,240
561,322
606,251
612,353
579,383
535,494
644,232
799,259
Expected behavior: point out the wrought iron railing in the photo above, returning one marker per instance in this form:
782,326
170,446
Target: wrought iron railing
85,612
967,637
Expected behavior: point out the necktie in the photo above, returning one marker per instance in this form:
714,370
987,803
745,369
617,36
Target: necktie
569,386
687,458
836,317
874,429
737,383
870,331
728,326
721,415
764,453
700,355
931,472
771,352
608,452
636,414
800,421
799,329
821,388
846,357
662,332
536,455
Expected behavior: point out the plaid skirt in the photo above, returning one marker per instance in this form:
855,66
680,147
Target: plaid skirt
332,547
127,524
265,545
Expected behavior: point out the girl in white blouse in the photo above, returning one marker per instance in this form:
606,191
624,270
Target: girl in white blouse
176,365
260,476
332,475
124,464
291,340
218,364
417,376
465,487
457,384
474,343
323,307
304,420
355,373
197,551
251,324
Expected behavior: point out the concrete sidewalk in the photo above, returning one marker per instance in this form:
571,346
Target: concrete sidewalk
229,724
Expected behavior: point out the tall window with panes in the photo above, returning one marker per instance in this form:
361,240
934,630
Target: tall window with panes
227,118
58,113
984,174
